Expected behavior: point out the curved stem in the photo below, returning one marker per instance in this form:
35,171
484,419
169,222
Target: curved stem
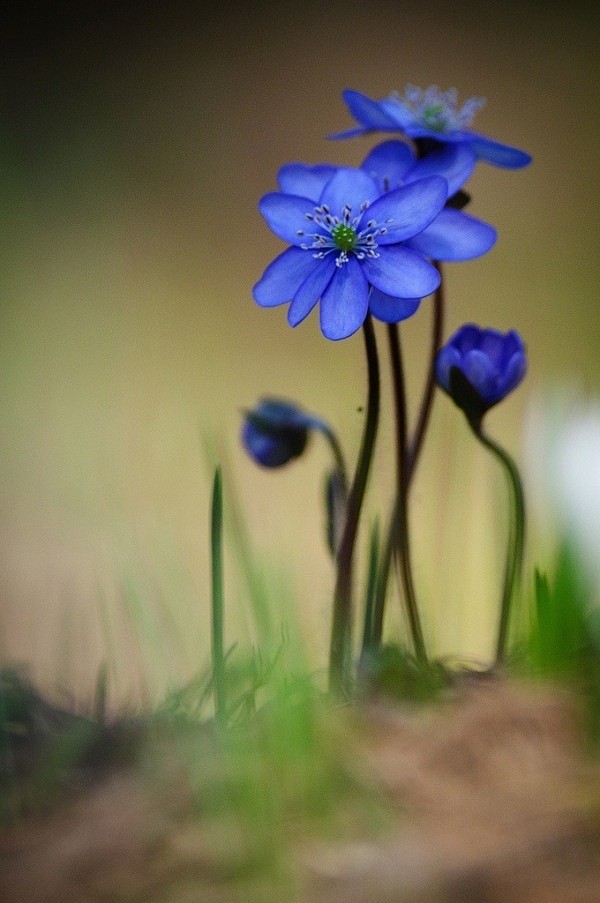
341,631
400,527
427,400
516,537
336,450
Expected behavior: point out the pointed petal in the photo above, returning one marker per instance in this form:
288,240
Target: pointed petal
348,186
286,215
466,338
311,290
305,181
283,277
345,302
348,133
455,162
388,164
514,373
447,358
391,310
493,344
406,211
454,236
367,112
401,115
479,371
496,153
402,273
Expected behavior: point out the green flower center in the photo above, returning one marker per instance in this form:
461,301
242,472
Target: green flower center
434,117
344,237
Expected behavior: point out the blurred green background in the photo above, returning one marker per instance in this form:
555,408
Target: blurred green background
135,141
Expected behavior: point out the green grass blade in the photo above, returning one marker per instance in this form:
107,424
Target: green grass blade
216,558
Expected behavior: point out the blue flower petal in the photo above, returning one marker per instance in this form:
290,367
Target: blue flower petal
478,369
496,153
283,277
305,181
447,358
400,272
455,162
454,236
391,310
514,373
350,187
418,130
388,163
514,343
348,133
311,290
406,211
286,215
393,107
493,344
345,302
368,112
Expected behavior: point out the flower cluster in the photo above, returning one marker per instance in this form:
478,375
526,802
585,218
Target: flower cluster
368,242
363,240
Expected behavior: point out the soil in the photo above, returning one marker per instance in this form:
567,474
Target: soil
492,795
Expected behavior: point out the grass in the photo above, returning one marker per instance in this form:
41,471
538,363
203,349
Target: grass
267,752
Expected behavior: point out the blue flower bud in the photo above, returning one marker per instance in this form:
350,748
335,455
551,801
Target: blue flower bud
275,432
479,367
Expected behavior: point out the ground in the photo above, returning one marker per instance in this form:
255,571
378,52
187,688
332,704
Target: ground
491,795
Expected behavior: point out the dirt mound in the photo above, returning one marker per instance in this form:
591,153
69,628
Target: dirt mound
490,796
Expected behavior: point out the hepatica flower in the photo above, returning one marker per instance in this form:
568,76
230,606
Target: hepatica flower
479,367
347,240
451,236
275,432
429,115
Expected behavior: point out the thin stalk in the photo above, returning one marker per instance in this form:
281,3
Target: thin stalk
427,399
516,535
400,526
341,631
216,556
370,595
411,457
336,450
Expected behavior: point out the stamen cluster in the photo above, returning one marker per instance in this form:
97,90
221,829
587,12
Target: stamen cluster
343,234
438,110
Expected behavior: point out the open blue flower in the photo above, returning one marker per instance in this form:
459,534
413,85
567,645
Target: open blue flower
349,240
479,367
451,236
429,115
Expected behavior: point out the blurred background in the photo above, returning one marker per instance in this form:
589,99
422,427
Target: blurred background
135,142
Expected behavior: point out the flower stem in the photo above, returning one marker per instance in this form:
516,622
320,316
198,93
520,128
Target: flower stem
427,400
336,449
341,631
516,539
411,456
400,531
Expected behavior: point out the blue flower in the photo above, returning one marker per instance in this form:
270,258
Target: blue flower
345,241
451,236
479,367
430,116
275,432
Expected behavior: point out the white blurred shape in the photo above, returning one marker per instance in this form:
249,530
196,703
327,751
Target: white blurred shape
563,462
